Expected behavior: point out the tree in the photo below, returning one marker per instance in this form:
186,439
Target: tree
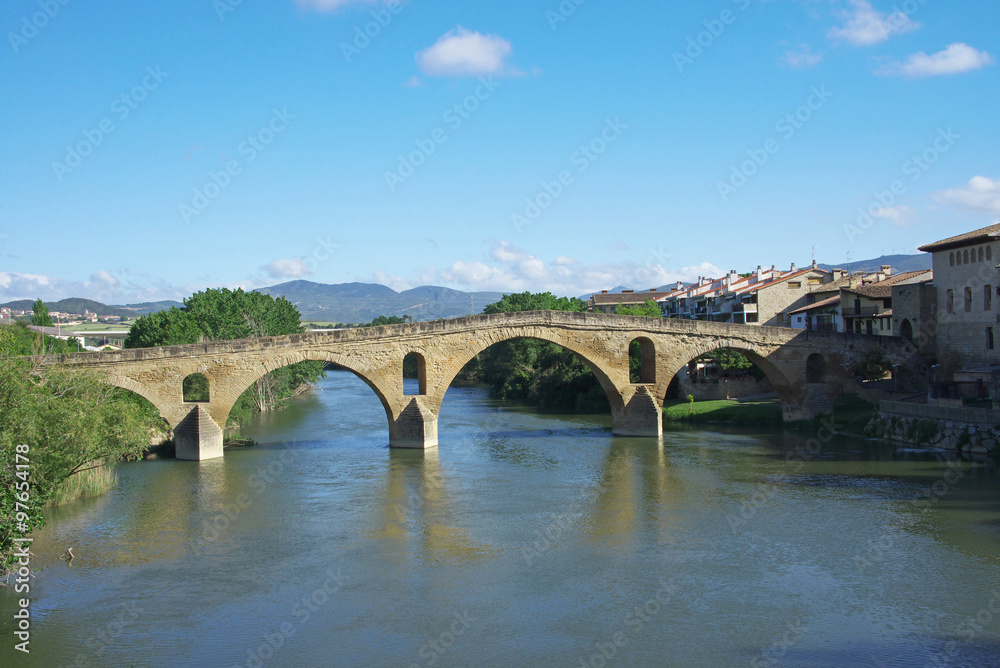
40,314
648,309
874,365
537,372
63,424
542,301
222,315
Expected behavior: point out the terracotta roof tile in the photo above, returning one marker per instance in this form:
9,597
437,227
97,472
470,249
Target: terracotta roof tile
991,233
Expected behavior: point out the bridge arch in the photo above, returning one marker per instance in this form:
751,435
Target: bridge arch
779,379
159,402
608,376
225,397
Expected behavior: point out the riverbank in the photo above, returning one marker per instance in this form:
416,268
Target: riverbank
851,414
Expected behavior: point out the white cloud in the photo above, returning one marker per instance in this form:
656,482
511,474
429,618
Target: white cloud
864,26
511,269
804,57
464,53
980,195
955,59
897,215
104,278
287,268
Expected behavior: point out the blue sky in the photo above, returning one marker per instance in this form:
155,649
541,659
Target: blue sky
154,149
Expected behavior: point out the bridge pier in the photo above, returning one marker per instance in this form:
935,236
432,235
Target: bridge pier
197,437
416,426
640,416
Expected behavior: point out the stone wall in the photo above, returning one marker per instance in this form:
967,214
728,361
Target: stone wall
947,435
723,389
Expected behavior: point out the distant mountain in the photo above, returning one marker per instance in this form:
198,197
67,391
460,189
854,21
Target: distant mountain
899,263
74,305
363,302
146,308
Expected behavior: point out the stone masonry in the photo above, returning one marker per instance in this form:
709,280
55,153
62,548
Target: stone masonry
376,355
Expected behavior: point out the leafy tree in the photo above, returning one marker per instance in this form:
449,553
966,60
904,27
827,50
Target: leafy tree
17,339
874,365
222,315
40,314
62,424
537,372
542,301
728,359
649,309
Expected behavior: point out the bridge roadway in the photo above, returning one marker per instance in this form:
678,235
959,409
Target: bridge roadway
807,369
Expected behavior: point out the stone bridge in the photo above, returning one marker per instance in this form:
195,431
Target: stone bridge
807,369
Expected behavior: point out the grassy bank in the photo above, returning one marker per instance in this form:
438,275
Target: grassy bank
851,414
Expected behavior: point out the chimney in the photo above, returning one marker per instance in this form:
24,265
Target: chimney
814,265
680,285
760,273
652,289
853,282
793,267
887,270
604,292
627,292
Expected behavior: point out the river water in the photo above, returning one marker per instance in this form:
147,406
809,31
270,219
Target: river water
524,540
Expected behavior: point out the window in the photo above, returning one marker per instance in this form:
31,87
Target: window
989,253
794,285
815,280
980,254
951,259
968,299
987,297
950,301
989,338
965,256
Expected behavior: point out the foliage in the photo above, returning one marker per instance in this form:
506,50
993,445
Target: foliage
383,320
537,372
40,314
874,365
17,339
541,301
727,359
221,315
65,423
648,309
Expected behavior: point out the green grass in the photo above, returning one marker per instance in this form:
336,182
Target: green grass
762,413
93,482
851,414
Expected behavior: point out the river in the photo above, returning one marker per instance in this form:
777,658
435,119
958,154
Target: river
523,540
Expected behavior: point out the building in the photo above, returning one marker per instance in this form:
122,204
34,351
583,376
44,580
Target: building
607,302
756,298
856,303
967,287
913,314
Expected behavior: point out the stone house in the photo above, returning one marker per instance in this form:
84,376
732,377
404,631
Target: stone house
967,287
605,302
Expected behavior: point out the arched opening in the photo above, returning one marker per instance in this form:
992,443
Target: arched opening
539,373
195,388
906,331
724,373
815,368
414,375
642,361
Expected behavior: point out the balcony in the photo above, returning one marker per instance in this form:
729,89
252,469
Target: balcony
865,311
744,308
